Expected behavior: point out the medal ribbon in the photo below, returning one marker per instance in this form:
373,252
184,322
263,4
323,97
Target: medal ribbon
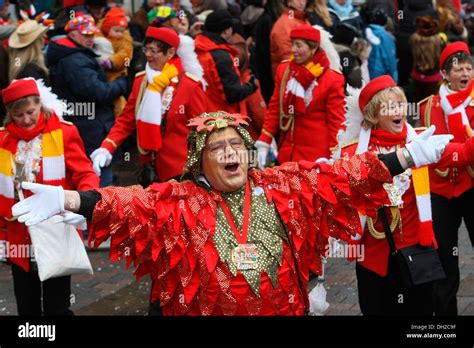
241,238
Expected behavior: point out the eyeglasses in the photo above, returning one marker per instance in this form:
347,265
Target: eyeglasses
219,147
153,51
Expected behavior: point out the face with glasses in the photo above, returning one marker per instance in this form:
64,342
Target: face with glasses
225,160
156,57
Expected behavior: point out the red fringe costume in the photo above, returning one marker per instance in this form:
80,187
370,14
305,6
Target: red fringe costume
167,231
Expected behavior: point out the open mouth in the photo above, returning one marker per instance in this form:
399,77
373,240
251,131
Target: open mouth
464,82
399,121
232,167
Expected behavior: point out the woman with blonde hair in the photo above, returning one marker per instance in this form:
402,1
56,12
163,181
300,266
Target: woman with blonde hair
25,52
318,14
376,122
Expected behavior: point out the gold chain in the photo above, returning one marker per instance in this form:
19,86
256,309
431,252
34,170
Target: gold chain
396,221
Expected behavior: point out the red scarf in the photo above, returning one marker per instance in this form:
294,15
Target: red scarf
295,96
383,138
23,134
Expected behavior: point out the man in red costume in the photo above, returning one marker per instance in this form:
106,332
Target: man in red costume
229,240
164,98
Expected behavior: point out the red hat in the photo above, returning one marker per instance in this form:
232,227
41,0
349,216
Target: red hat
166,35
306,32
19,89
373,87
455,47
114,18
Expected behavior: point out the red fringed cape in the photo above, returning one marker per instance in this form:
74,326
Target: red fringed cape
166,231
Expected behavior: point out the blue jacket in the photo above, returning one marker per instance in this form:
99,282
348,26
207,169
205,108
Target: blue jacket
81,82
383,57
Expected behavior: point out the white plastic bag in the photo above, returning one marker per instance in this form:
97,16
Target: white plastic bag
58,249
317,300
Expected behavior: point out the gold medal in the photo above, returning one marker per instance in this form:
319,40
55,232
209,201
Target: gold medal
244,256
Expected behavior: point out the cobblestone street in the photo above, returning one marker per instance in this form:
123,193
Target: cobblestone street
112,290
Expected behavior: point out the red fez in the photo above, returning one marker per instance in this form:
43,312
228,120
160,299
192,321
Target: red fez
306,32
19,89
373,87
165,35
457,46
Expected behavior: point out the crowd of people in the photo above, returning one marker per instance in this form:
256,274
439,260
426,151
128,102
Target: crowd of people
264,129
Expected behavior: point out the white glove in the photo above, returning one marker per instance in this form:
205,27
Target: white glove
322,160
262,153
46,201
427,148
101,157
74,219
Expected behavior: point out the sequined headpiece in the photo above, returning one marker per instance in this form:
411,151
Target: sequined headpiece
202,126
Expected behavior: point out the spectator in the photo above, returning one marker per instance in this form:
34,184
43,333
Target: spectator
354,52
262,57
164,16
225,90
117,51
280,43
383,55
318,14
78,78
26,52
345,12
407,26
427,45
96,9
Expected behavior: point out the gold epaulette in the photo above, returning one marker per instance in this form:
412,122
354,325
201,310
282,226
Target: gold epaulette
140,73
425,100
192,77
67,122
349,143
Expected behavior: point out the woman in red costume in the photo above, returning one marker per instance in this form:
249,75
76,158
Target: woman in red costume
229,240
377,123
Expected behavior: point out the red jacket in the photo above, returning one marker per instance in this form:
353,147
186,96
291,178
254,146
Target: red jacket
446,181
188,101
216,89
314,133
376,251
79,176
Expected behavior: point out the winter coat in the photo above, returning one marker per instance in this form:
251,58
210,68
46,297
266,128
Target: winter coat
383,56
78,79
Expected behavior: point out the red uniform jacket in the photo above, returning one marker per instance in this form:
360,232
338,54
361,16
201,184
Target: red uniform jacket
217,99
188,101
314,133
446,181
79,176
376,251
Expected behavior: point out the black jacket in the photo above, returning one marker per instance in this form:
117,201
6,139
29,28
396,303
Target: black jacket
79,80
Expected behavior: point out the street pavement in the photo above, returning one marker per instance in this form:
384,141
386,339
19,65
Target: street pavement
113,290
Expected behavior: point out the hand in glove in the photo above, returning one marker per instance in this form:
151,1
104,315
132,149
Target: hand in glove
46,201
162,81
101,157
427,148
74,219
262,153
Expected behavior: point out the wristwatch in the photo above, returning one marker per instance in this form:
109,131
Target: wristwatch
408,158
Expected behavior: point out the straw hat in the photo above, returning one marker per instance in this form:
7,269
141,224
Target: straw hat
26,33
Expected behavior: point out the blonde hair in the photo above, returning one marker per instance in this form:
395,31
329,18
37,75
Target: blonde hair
320,7
20,103
33,53
374,107
426,51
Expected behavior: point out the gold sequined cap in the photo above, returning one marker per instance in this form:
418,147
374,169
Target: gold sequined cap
202,126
